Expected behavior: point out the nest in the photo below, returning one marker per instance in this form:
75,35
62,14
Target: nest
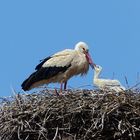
76,115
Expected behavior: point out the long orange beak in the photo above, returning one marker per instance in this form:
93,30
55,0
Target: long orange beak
89,59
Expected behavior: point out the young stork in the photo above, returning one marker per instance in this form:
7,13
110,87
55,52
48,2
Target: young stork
60,67
114,85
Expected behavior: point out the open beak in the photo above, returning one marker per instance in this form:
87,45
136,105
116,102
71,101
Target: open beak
89,59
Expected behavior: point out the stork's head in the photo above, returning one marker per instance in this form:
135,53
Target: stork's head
98,68
83,48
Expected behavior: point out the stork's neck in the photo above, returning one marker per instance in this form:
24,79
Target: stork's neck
96,74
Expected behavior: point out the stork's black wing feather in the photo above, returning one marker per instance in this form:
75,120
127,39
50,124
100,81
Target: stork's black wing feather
42,62
42,74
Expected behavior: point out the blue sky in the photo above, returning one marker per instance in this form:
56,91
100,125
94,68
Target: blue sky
31,30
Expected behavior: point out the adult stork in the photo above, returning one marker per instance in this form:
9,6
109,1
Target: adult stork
114,85
60,67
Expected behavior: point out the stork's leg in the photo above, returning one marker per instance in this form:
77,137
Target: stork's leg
60,93
61,87
65,85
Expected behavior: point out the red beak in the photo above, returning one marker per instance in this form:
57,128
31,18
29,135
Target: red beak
89,59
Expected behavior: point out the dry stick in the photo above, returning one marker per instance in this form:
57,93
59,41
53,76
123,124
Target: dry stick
27,137
39,136
126,80
18,101
55,133
28,125
103,117
89,130
19,134
136,85
43,135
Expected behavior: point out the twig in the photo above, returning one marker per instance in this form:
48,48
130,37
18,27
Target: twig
56,132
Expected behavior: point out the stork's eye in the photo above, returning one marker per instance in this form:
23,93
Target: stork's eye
84,49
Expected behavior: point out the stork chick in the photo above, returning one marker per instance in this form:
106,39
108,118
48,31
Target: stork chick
60,67
114,85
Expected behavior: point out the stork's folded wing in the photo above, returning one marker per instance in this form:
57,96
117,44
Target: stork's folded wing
60,59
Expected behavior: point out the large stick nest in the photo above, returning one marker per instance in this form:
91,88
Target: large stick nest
77,115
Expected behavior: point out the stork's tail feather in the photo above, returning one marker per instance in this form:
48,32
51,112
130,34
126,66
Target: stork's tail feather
26,85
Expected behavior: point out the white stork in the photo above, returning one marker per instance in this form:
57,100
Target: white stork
60,67
114,85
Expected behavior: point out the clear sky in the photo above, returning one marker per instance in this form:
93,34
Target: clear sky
31,30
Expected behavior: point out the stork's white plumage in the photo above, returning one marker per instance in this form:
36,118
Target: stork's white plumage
106,83
60,67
